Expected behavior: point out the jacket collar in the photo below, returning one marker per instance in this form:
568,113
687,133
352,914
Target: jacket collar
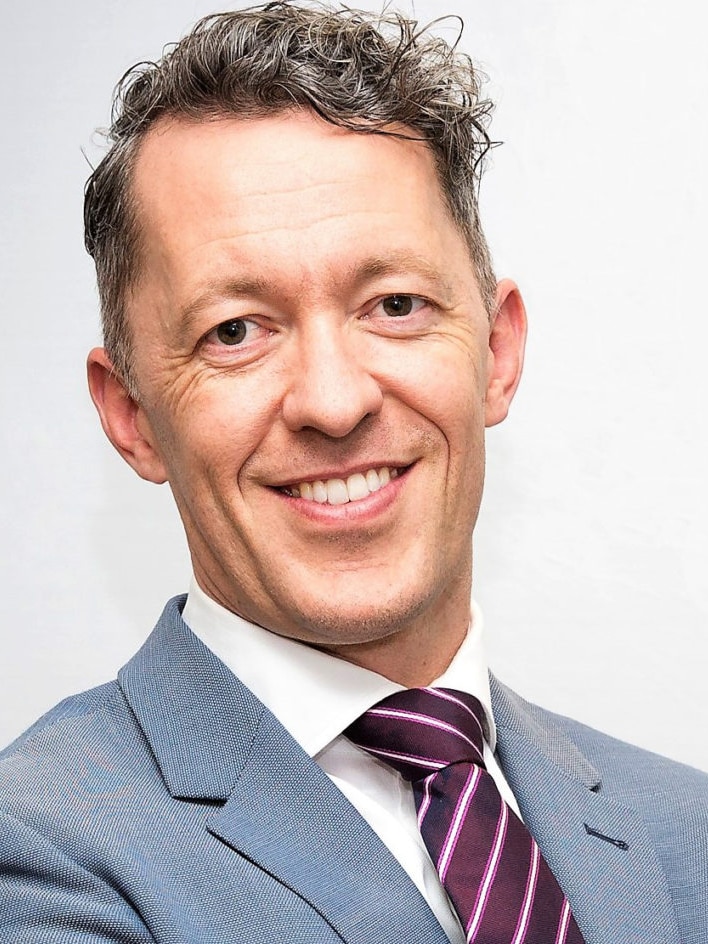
213,740
599,849
200,722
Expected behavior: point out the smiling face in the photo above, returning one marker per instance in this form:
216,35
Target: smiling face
316,369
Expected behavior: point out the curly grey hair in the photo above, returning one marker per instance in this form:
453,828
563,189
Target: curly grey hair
361,71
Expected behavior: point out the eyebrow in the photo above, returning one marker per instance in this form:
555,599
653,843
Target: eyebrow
400,262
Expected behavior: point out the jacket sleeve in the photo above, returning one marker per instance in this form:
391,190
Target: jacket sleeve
47,898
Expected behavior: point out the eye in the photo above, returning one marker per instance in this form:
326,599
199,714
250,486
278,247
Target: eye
409,309
236,333
398,306
232,332
235,340
400,314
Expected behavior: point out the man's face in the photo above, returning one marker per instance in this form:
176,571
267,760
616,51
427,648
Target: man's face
315,372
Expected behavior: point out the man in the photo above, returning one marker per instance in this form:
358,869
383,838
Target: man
304,337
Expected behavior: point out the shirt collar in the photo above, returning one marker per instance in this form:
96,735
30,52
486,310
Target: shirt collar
314,694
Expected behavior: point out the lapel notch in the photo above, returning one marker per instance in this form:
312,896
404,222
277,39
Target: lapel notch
213,740
598,849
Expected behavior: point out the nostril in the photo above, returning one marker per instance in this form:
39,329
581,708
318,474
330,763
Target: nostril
335,407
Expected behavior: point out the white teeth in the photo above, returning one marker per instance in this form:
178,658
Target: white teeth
372,480
357,487
339,492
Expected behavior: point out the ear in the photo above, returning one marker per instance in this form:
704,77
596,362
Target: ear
505,359
123,419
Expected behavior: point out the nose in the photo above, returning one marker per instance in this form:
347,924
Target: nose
331,390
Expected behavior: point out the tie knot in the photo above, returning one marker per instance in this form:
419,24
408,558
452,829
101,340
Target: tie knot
422,730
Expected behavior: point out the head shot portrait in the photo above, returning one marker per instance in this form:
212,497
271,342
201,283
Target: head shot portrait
350,716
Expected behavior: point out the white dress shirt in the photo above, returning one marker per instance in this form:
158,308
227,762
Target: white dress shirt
316,696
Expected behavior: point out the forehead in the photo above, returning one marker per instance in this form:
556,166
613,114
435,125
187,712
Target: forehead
289,205
294,161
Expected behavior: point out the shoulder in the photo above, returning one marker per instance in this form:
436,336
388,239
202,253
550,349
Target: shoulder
78,750
89,713
67,789
664,802
615,766
86,744
633,772
671,798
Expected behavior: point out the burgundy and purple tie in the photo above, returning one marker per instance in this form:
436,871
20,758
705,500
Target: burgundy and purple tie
488,862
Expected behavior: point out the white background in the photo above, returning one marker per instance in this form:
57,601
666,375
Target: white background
593,544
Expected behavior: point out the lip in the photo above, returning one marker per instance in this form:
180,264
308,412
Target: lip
355,512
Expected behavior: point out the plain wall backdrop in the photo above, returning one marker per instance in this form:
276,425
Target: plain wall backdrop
592,547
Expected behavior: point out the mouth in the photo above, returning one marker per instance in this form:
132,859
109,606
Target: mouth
341,491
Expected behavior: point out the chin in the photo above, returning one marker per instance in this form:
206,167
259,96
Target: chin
342,622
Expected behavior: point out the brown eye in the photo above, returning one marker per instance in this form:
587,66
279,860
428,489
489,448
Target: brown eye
232,332
398,305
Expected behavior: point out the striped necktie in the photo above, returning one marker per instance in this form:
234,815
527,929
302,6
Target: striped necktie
488,862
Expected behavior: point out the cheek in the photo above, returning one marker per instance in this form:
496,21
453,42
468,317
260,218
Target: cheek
211,430
449,392
455,405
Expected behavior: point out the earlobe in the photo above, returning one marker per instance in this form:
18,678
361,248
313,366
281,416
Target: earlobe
505,359
123,419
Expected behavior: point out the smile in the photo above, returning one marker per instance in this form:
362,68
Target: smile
341,491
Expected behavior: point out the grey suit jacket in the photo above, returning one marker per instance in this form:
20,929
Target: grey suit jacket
172,807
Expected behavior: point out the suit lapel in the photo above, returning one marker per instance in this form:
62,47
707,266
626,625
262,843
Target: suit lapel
598,849
213,740
300,828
